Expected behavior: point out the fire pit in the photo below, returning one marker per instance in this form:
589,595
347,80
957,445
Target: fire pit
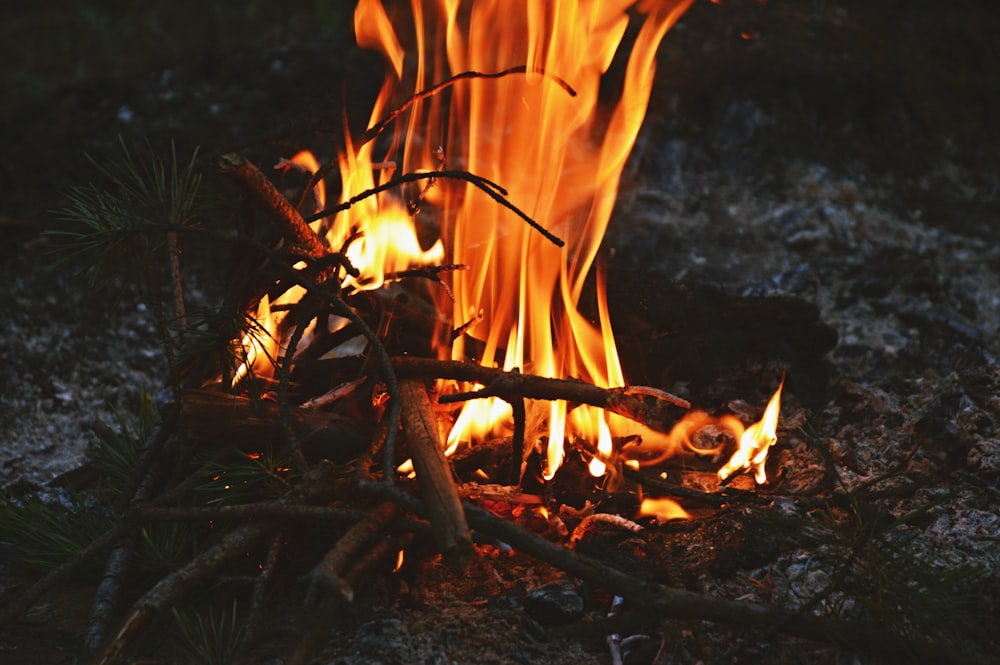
452,318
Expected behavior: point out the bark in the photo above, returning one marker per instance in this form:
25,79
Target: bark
444,508
282,213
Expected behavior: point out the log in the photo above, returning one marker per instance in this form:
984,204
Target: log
444,508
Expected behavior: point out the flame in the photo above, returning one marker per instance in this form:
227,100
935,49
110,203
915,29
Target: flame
755,442
663,509
697,427
559,155
543,135
259,344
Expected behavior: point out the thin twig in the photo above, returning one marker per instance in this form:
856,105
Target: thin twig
490,188
372,132
380,126
437,487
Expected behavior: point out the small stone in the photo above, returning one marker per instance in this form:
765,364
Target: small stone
557,604
383,640
640,649
984,457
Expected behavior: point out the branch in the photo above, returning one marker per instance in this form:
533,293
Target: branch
329,573
380,126
282,213
510,386
420,427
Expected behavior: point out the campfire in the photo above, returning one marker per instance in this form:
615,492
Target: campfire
431,344
508,249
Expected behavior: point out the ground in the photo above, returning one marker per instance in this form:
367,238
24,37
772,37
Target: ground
842,153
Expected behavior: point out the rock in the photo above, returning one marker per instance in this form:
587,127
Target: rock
640,649
383,640
556,604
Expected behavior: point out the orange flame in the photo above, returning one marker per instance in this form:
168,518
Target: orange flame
691,431
663,509
755,442
558,155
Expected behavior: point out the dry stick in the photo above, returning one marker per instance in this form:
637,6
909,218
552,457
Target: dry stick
444,508
328,573
514,385
490,188
169,590
281,211
675,603
106,597
378,128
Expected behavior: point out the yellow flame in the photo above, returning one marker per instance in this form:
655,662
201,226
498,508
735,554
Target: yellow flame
755,442
560,158
259,344
663,509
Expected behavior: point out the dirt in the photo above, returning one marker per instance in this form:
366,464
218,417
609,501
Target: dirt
840,153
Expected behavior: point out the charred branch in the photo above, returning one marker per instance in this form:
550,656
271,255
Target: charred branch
380,126
488,187
510,386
